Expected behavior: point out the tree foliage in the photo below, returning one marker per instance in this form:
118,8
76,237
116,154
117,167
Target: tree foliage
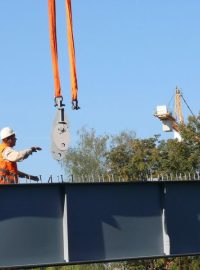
133,159
88,156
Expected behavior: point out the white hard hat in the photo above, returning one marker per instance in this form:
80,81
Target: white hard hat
6,132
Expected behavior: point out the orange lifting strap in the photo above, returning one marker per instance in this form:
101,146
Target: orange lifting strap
54,50
72,57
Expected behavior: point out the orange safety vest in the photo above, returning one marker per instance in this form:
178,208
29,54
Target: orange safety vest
8,169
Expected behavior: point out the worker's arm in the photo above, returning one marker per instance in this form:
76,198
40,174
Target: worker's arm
28,176
15,156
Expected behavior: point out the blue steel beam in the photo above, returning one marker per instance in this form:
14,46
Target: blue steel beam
66,223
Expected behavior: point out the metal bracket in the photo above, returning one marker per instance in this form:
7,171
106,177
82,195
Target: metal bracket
60,131
56,153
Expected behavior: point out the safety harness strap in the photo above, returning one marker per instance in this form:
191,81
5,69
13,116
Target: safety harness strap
7,172
9,177
7,180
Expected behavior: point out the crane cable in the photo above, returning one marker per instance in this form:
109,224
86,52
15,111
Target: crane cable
54,51
187,106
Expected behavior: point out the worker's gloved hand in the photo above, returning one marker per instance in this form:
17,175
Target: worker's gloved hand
36,148
34,178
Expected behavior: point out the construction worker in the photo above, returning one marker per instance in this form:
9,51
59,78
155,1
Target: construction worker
9,157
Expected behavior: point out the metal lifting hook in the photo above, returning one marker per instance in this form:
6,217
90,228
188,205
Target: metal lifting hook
60,131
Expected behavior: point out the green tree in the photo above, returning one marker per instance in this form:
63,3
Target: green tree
89,156
93,266
191,131
191,137
174,157
129,158
134,159
181,157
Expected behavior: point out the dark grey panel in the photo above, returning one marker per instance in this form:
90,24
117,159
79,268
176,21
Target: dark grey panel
183,217
105,222
31,229
114,221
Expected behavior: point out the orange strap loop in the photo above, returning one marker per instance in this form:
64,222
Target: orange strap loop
53,43
54,50
72,58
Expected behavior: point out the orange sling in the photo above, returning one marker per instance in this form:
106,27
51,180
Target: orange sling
54,51
72,58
